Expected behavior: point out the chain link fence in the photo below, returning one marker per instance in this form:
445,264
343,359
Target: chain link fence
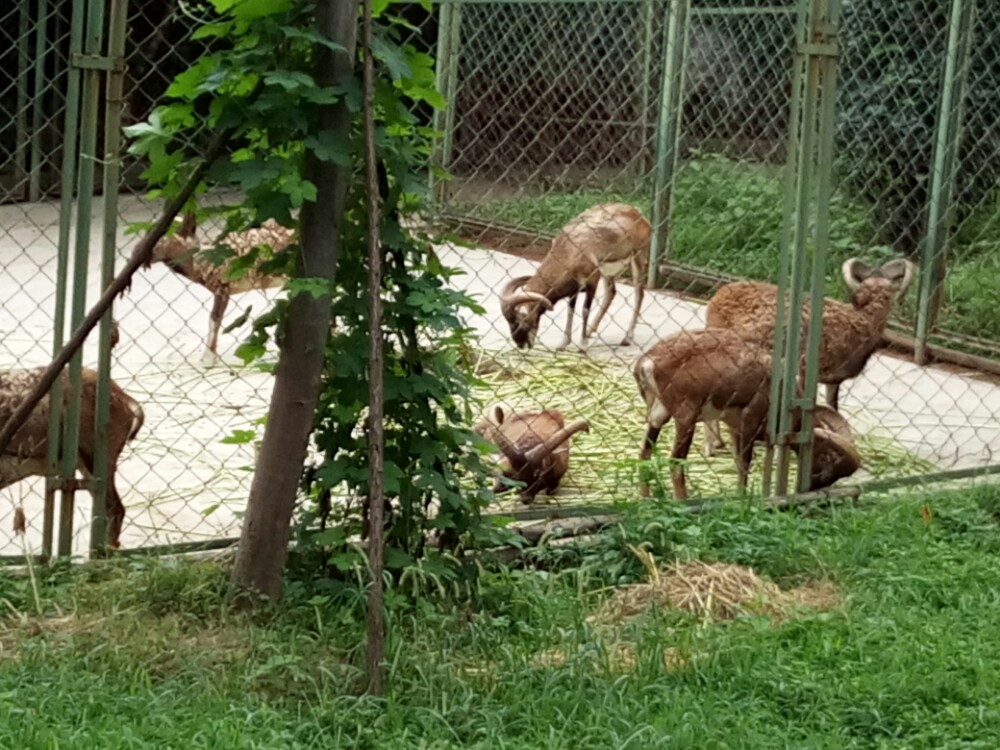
180,480
554,107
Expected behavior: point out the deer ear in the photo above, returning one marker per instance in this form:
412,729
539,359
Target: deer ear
855,272
189,225
498,414
900,272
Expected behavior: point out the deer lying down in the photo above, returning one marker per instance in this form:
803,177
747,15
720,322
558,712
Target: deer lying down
717,374
598,243
534,445
27,453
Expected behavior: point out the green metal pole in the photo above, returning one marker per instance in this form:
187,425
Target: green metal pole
647,17
21,136
78,306
788,363
668,132
62,266
947,138
825,59
442,78
784,249
454,55
118,12
41,52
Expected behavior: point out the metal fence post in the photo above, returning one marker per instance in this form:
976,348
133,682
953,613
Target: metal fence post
22,136
814,98
90,62
671,112
825,58
947,138
446,74
647,17
55,438
41,53
118,12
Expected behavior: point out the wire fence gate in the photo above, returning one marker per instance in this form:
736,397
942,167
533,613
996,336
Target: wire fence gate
764,141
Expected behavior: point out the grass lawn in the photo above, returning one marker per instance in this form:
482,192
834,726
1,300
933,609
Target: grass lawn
904,654
728,217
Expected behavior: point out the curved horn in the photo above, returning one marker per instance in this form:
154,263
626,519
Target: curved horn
520,299
509,298
540,452
854,271
512,286
901,269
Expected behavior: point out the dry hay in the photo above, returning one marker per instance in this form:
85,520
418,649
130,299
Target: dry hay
712,591
603,465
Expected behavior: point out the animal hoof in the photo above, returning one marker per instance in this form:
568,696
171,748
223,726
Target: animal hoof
626,342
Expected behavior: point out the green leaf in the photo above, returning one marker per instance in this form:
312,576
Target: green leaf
213,30
393,57
246,10
239,437
329,148
396,559
314,286
393,476
290,80
333,537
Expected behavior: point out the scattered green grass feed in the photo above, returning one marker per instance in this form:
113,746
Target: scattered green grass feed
604,464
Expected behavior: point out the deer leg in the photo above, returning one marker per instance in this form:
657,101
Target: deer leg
589,290
609,295
682,446
640,290
219,305
568,335
114,508
742,454
645,451
713,438
833,395
115,511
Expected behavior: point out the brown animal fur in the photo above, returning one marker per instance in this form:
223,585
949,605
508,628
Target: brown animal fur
717,374
534,445
596,244
851,330
182,253
27,453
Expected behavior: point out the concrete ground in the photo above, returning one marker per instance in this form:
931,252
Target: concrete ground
180,483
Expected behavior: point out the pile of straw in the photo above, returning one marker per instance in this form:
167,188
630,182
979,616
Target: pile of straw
711,591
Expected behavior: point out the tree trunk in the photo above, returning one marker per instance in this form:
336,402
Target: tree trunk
263,549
